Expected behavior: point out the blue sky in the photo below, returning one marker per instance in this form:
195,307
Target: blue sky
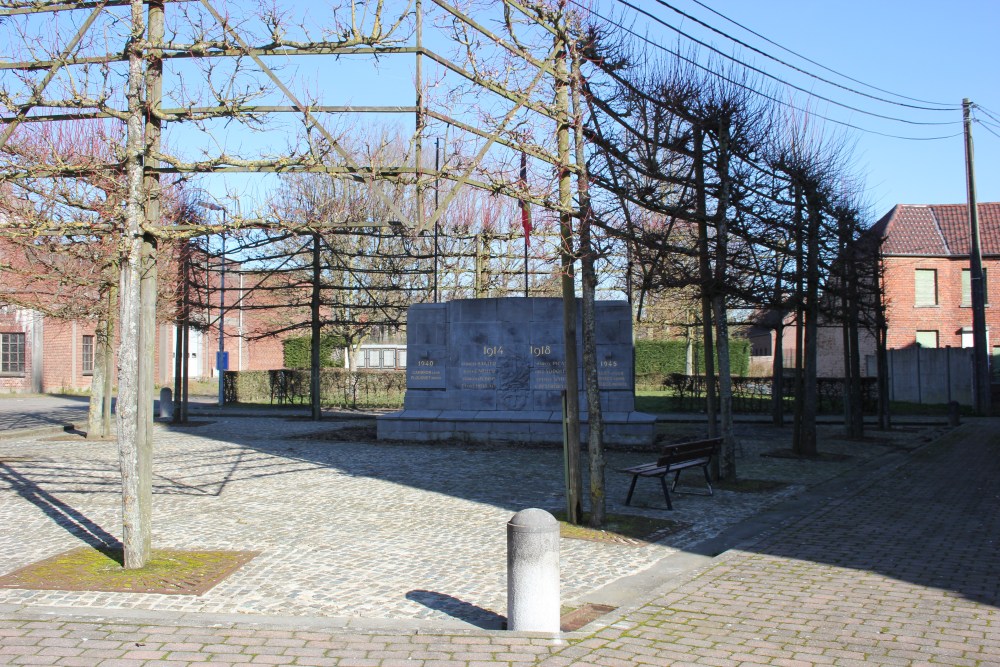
931,50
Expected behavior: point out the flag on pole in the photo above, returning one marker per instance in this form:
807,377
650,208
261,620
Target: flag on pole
525,206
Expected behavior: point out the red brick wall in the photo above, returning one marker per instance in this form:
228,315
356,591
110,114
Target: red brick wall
948,317
13,320
63,355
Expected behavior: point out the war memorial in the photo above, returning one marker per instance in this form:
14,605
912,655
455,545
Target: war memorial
493,370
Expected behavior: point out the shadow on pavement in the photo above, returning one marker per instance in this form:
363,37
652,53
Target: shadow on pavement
62,514
463,611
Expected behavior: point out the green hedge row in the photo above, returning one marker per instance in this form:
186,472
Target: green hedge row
664,357
298,350
337,386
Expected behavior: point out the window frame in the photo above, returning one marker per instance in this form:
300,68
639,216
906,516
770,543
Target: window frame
17,353
937,338
917,303
84,357
967,288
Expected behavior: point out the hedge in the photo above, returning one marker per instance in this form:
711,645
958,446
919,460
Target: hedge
297,351
686,393
338,387
666,357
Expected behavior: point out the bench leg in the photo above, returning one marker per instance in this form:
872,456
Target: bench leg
666,495
708,480
631,488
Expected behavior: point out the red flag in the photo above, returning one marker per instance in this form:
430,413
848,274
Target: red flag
525,206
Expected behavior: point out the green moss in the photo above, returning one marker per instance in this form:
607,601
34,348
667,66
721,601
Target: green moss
168,571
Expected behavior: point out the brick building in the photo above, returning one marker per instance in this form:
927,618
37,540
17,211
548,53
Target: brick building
925,264
925,253
40,353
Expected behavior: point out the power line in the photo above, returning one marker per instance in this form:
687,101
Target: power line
774,77
799,69
949,107
986,111
770,98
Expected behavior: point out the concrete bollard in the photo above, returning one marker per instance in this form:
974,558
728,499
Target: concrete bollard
166,403
953,414
533,572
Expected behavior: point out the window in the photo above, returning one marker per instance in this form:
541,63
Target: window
927,339
926,288
88,355
967,288
12,353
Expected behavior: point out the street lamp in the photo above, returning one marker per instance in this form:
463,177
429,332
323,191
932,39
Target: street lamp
221,360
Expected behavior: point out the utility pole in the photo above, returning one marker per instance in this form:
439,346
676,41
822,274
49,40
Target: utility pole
976,282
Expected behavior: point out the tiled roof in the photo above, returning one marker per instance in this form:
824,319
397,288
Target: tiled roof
938,229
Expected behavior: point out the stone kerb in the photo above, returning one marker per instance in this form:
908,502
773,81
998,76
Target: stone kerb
494,369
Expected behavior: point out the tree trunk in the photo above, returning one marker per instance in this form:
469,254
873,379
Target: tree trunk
109,363
133,451
705,275
881,346
800,289
727,455
778,374
315,334
807,443
778,352
857,430
96,428
595,419
574,485
845,334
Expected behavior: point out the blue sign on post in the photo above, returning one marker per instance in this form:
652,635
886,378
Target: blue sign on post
222,361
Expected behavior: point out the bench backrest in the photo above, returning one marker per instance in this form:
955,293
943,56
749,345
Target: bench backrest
688,451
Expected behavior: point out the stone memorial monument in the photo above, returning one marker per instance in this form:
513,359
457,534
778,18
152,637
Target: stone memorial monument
494,370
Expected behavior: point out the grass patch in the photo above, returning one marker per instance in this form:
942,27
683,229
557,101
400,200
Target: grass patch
628,529
169,571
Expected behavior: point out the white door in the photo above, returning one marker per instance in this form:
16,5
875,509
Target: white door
195,344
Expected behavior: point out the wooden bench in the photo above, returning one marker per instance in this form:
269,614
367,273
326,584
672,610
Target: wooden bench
674,459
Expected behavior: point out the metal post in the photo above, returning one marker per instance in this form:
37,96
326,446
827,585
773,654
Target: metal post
212,206
222,316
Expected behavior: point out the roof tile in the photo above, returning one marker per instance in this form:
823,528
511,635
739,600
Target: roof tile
938,229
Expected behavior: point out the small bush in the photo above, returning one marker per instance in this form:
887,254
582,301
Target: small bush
667,357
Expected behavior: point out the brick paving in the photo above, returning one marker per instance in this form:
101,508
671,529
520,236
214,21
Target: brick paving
899,568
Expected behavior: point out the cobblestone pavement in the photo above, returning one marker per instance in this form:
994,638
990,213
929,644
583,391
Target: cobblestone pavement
355,537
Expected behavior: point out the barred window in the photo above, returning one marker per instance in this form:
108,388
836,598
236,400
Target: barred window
12,353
